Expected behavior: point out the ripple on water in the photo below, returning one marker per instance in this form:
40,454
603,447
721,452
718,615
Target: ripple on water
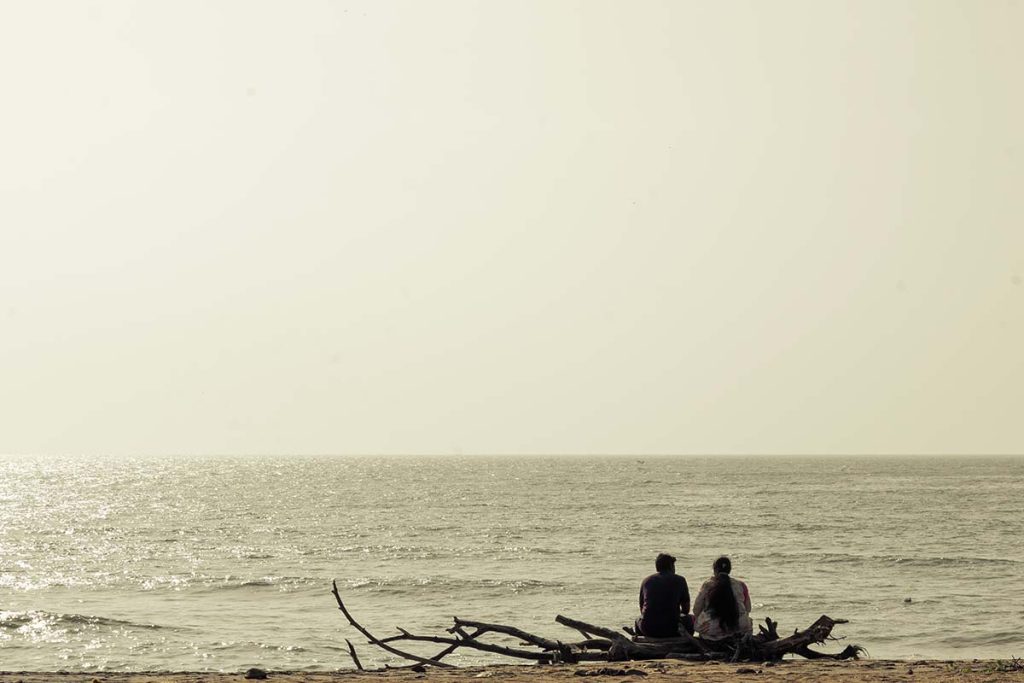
175,564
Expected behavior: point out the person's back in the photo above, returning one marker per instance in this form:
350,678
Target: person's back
664,598
722,607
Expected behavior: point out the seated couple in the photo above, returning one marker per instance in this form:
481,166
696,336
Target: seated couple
721,610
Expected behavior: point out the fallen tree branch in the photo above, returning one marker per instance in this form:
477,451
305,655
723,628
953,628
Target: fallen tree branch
849,652
355,657
466,641
590,629
815,633
605,644
688,642
375,641
770,630
543,643
452,648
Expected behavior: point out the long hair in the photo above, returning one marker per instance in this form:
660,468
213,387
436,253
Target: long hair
722,602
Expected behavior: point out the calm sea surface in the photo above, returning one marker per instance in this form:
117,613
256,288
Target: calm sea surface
226,563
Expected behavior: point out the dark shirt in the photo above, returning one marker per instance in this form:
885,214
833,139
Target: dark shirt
662,596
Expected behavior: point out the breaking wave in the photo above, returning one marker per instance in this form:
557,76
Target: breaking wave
15,620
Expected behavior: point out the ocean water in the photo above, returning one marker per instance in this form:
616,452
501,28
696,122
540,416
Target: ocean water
226,563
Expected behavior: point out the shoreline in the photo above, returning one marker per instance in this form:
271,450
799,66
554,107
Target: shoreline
653,671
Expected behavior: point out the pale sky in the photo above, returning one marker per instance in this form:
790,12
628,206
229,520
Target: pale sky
511,227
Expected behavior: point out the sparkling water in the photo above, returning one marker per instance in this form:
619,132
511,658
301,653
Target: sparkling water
226,563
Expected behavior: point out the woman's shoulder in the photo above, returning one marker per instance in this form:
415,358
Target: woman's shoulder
739,588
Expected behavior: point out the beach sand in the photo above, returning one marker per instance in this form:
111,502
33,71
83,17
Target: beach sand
864,671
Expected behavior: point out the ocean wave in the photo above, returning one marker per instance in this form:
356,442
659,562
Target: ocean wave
394,585
30,619
246,645
954,561
899,560
35,582
234,583
967,639
430,552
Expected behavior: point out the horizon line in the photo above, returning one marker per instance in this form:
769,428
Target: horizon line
436,454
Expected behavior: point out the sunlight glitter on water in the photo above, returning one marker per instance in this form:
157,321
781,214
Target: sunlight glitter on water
193,563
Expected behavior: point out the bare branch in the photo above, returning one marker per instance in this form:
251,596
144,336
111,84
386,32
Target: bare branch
374,640
544,643
591,644
466,641
355,657
584,627
684,639
451,648
815,633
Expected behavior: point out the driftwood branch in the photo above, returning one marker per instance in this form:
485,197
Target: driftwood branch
816,633
770,629
355,657
590,629
466,641
849,652
685,641
452,648
373,639
606,644
543,643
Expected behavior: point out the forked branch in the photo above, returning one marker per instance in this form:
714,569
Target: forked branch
375,641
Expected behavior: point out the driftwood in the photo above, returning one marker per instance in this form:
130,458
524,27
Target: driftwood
605,644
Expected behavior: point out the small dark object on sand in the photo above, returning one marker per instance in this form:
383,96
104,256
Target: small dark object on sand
418,668
609,671
908,600
748,671
259,674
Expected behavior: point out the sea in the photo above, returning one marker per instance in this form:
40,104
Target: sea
226,563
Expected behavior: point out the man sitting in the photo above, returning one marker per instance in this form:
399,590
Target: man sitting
664,601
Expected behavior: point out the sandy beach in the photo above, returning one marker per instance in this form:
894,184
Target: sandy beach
864,671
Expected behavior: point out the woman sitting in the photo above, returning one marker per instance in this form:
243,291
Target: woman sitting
722,608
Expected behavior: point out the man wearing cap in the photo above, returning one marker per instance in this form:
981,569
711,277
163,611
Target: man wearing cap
664,601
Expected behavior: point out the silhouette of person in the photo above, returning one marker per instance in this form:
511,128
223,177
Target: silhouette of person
664,601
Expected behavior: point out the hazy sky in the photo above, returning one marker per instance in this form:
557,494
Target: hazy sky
499,227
